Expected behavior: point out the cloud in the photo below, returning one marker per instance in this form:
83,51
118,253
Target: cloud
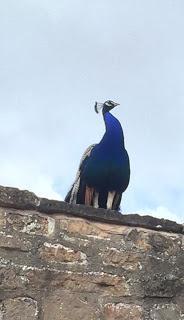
57,58
29,179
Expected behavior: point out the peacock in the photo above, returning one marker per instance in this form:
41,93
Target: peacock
104,170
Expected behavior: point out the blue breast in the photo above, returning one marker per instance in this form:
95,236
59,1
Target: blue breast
108,166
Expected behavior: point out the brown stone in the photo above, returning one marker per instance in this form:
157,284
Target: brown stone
59,253
18,199
109,216
80,227
121,311
22,308
28,222
25,200
70,306
11,279
64,265
127,260
9,241
2,219
166,312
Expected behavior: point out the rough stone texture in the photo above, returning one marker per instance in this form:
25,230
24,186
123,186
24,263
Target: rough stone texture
62,264
19,308
123,311
166,312
25,200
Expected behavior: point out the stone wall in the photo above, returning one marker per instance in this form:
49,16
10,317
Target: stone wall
64,262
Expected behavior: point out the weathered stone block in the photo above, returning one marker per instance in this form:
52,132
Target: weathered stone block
29,223
56,262
21,308
58,253
64,305
18,199
166,312
122,311
127,260
11,279
14,242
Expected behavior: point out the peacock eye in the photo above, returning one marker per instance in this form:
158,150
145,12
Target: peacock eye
108,104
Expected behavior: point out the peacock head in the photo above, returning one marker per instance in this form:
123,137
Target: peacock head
106,106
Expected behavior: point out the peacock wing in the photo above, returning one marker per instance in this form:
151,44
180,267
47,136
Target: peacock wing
76,193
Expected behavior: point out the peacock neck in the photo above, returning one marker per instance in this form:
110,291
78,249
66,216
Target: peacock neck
113,136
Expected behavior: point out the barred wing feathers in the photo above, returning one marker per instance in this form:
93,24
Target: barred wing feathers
76,193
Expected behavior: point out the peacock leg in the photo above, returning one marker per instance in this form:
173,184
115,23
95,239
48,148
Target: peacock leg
116,202
95,200
110,199
89,196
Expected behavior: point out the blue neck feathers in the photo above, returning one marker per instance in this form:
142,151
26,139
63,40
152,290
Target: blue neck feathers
113,136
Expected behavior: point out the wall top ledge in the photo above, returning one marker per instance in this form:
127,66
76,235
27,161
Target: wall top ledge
25,200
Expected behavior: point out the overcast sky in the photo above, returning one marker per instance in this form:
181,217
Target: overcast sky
57,58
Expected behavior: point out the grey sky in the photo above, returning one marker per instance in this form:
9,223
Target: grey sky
57,57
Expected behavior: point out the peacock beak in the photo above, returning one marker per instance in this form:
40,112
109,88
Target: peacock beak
116,104
98,106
